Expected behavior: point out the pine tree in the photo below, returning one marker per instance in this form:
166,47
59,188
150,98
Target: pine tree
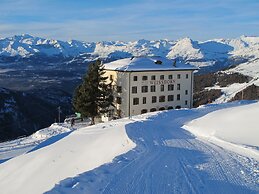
93,96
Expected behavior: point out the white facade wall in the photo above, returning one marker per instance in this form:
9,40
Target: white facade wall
126,81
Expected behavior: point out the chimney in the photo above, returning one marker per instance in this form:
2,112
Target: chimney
174,63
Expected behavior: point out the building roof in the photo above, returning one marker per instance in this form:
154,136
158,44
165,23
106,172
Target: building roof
147,64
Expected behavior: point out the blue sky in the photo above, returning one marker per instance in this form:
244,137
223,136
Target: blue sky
127,20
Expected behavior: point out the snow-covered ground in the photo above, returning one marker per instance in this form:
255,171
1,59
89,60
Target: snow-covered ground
20,146
64,155
149,153
234,128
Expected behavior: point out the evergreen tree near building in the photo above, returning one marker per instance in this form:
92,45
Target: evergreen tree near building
93,96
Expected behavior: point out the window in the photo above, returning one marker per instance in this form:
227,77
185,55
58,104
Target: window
161,98
170,98
152,109
143,111
170,76
153,99
178,76
144,78
186,102
135,78
144,100
162,77
118,100
153,77
170,87
134,89
162,88
111,77
178,97
170,107
178,107
162,108
153,88
119,89
178,87
135,101
186,92
187,76
144,89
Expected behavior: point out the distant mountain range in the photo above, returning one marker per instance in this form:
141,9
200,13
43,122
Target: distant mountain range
217,52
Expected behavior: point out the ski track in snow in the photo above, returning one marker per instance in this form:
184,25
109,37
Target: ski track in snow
168,159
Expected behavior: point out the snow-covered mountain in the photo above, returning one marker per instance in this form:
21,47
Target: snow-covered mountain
199,53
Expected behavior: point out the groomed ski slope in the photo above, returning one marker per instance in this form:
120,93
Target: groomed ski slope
164,158
10,149
168,159
64,155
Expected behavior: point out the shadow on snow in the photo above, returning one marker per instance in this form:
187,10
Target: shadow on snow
160,163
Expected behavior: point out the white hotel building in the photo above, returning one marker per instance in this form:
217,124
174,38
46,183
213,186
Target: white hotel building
148,84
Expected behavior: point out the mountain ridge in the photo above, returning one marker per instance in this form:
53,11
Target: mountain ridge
25,45
210,55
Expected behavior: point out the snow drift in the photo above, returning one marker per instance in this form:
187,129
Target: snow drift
238,125
62,156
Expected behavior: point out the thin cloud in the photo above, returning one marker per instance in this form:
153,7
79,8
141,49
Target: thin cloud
129,21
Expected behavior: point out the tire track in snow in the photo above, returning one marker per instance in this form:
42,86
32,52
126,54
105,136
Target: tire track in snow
168,159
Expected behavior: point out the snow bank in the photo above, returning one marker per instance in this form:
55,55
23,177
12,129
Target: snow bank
65,156
231,128
10,149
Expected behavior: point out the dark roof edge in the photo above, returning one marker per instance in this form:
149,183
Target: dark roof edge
152,70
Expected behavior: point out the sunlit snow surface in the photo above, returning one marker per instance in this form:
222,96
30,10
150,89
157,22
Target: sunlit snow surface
155,155
22,145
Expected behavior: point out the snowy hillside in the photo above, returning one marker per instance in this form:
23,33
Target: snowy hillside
20,146
130,155
231,91
238,126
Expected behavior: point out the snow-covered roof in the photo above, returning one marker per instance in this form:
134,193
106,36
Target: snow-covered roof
147,64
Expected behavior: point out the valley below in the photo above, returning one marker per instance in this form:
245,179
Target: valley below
39,75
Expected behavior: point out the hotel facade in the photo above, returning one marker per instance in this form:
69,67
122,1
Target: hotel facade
148,84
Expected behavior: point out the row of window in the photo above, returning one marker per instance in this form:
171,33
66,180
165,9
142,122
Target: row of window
144,89
162,108
155,99
162,77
